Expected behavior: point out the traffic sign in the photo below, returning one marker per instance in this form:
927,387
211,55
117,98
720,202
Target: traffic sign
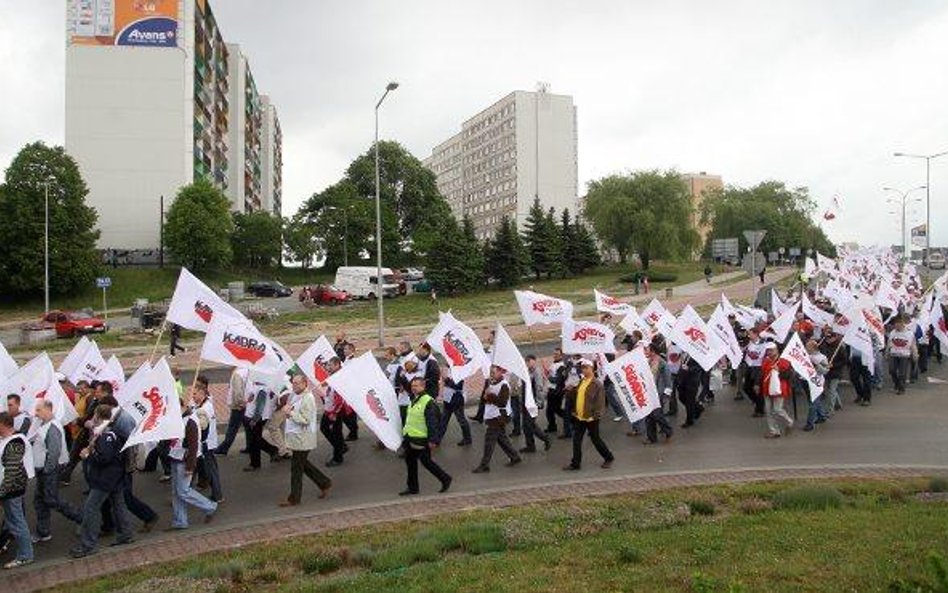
103,282
754,238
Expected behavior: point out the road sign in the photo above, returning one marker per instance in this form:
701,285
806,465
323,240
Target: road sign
754,238
103,282
726,249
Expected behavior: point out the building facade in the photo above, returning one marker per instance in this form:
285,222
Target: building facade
272,159
701,185
522,146
155,98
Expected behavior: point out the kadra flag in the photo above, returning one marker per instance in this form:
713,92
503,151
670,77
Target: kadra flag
539,308
36,380
460,346
635,386
795,353
239,344
693,336
154,403
587,337
195,306
313,362
611,305
367,390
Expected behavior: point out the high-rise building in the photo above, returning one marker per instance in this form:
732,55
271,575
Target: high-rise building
272,159
700,185
155,98
522,146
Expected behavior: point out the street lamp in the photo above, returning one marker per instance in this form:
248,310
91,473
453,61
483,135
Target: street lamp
902,200
378,219
928,192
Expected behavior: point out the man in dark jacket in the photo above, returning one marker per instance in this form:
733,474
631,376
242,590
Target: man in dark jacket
13,488
588,400
421,436
106,476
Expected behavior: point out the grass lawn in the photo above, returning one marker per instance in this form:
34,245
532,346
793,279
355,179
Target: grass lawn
805,536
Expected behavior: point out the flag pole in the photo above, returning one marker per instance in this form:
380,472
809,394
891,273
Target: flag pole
154,350
197,371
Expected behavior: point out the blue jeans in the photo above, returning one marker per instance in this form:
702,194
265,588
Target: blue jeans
234,422
183,495
830,398
46,500
816,410
15,516
92,517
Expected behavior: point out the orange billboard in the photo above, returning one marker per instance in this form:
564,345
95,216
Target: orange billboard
137,23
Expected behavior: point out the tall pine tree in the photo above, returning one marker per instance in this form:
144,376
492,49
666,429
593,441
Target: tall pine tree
474,265
507,258
587,252
554,245
538,240
568,245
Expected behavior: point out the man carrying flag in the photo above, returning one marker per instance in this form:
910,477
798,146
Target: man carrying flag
775,387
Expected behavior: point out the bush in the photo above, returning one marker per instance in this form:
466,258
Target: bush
405,555
809,498
231,570
628,554
320,561
701,507
938,484
653,276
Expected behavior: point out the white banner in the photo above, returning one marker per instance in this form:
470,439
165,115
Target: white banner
195,306
809,268
818,316
653,312
460,346
721,329
612,305
858,336
694,337
939,327
113,373
507,356
782,324
37,380
635,386
314,360
633,322
68,366
8,366
777,306
586,337
238,343
368,391
799,359
158,407
539,308
132,390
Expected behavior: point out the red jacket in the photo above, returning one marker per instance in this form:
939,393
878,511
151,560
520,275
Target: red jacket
783,370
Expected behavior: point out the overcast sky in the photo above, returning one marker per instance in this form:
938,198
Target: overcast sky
814,93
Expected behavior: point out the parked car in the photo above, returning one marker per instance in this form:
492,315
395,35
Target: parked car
422,286
361,282
323,294
936,261
269,288
412,274
73,323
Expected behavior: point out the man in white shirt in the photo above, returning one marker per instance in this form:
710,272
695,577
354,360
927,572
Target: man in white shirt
49,453
901,349
21,420
301,427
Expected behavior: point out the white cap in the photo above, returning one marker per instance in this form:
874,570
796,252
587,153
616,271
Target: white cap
770,346
60,377
584,362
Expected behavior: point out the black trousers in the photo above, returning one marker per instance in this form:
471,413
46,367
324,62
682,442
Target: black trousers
351,420
898,369
530,430
580,428
861,379
300,465
656,421
688,395
751,388
420,454
496,434
135,505
554,408
455,407
332,430
257,443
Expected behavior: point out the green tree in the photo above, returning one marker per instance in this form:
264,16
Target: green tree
300,242
587,252
199,227
569,248
786,214
541,241
647,212
73,260
343,223
554,245
455,264
257,240
507,259
475,256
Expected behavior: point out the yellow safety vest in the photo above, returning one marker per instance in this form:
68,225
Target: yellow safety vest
415,425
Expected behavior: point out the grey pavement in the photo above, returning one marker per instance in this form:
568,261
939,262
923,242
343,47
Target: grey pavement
907,430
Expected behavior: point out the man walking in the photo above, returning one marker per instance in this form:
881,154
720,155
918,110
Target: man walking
49,453
775,373
530,429
21,420
17,471
257,413
236,402
208,471
331,422
453,397
496,412
902,349
301,426
589,402
421,437
184,454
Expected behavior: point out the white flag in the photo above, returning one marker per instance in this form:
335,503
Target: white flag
459,345
369,392
666,323
782,324
195,306
721,329
859,337
69,364
113,373
238,343
158,407
90,365
825,264
586,337
132,390
653,312
727,306
694,337
612,305
818,316
809,267
635,386
633,322
539,308
939,327
37,380
507,356
777,306
314,360
8,366
799,359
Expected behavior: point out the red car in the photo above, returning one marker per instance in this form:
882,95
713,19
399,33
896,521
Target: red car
323,294
73,323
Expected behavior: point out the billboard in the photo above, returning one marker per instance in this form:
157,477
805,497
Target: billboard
920,235
136,23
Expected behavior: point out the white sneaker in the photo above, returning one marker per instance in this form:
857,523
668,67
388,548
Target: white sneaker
39,539
617,419
16,564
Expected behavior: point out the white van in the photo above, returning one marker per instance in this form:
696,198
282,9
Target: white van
936,260
360,282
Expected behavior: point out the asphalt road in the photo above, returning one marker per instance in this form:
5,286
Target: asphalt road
898,430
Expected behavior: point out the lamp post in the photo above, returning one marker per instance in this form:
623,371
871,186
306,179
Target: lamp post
380,285
46,245
902,200
928,192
